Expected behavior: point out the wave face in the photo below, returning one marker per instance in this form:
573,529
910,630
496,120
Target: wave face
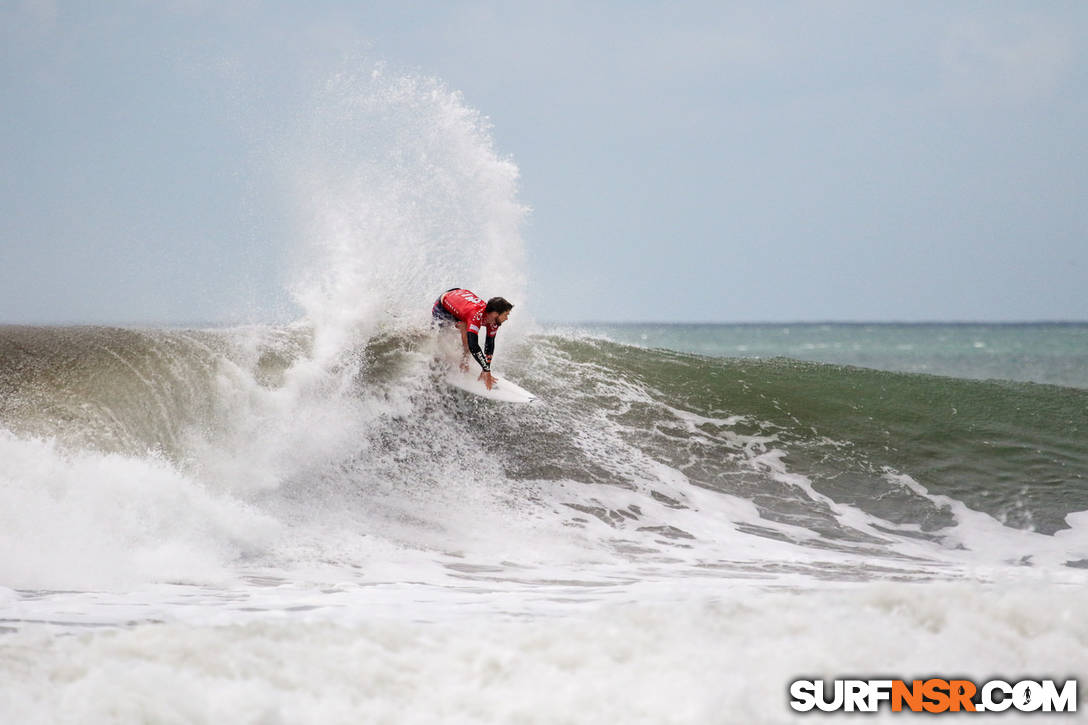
638,460
1013,450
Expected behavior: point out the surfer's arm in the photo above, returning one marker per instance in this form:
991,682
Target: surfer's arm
464,334
473,343
489,347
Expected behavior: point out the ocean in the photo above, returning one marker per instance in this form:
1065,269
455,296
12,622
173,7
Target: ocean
300,523
201,527
1055,353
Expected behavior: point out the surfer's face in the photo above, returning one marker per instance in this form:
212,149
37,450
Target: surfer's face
499,317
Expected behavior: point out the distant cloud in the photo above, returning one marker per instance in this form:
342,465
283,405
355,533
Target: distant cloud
40,13
24,24
1005,61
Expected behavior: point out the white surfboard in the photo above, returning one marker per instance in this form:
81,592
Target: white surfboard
502,390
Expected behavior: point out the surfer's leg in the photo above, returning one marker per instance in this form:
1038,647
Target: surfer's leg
441,317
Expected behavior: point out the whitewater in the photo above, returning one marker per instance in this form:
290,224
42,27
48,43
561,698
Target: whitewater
302,523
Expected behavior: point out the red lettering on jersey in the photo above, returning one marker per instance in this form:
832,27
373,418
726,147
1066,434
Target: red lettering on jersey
468,308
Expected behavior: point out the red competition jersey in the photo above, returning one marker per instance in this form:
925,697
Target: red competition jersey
468,308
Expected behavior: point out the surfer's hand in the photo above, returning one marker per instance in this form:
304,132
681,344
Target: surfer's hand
488,380
464,364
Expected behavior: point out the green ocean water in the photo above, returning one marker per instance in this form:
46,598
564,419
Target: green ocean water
1053,353
902,423
994,416
1016,450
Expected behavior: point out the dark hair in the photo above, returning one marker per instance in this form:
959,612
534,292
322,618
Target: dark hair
498,304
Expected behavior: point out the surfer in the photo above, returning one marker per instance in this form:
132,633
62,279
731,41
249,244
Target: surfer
469,313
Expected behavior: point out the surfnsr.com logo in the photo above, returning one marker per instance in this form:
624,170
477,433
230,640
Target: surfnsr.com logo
934,695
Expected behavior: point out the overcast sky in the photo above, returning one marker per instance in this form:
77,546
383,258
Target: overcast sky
709,161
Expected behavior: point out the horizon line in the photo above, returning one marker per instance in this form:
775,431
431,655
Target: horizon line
823,322
672,323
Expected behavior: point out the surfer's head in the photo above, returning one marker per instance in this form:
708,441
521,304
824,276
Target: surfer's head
497,310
